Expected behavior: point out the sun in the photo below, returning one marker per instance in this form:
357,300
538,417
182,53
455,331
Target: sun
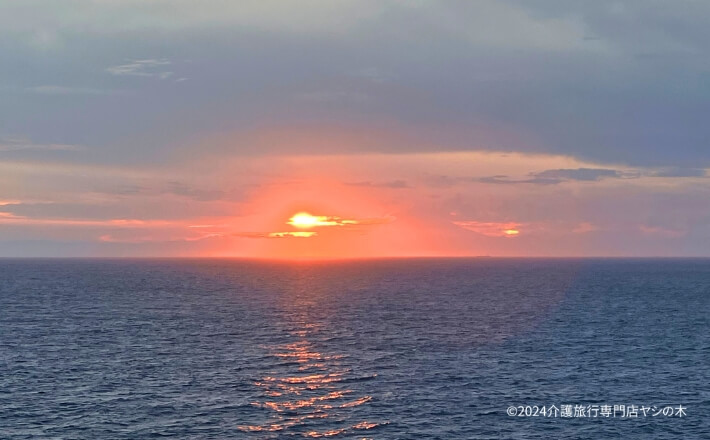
305,220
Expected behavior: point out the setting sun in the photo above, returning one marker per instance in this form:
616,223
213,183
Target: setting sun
305,220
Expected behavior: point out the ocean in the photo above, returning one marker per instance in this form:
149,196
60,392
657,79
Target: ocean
478,348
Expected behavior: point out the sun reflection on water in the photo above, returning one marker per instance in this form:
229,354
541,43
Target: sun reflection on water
307,391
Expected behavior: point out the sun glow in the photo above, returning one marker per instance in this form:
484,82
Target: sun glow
318,218
305,220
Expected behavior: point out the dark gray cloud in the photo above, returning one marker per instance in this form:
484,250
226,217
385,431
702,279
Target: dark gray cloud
623,82
553,177
584,174
198,194
679,172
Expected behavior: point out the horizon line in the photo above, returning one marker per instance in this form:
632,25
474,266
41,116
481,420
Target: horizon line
334,259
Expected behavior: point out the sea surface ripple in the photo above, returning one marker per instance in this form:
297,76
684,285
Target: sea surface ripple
379,349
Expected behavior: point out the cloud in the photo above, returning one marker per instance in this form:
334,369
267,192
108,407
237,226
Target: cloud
70,212
584,228
491,229
553,177
201,195
286,234
63,90
443,181
679,172
10,202
583,174
527,65
153,67
126,189
135,239
7,217
662,232
24,144
395,184
297,234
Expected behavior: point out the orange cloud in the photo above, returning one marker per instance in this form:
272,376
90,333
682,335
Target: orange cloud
297,234
286,234
491,229
112,238
9,202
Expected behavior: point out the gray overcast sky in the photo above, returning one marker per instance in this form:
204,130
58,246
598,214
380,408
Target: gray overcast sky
609,81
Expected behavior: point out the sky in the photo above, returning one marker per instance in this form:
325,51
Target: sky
338,129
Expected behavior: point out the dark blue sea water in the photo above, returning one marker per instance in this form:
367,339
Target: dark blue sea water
388,349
